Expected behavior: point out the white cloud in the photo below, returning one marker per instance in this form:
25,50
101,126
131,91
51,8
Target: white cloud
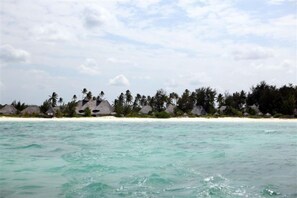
9,54
117,61
119,80
97,17
288,20
280,1
52,33
89,67
251,53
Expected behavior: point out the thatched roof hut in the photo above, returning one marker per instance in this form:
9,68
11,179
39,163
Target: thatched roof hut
170,109
145,109
246,114
198,110
222,109
97,107
8,110
31,110
255,108
83,104
268,115
104,108
51,111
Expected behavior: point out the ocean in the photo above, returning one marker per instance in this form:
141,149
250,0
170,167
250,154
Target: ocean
148,159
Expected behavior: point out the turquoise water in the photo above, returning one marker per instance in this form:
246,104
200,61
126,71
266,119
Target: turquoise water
148,159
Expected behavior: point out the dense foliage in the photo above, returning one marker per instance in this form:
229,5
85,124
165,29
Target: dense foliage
261,100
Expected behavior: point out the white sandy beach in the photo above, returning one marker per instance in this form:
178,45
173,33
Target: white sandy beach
115,119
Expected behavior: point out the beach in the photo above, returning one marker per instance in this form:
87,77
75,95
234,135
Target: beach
117,119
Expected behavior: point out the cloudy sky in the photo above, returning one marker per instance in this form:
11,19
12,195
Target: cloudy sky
143,45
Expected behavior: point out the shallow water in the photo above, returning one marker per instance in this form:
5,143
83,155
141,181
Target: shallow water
148,159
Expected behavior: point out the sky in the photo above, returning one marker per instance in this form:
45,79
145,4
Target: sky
64,46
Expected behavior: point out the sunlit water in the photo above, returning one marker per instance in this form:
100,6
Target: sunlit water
148,159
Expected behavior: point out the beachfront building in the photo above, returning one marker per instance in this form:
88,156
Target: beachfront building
31,110
51,111
8,110
145,110
198,111
222,109
170,109
97,107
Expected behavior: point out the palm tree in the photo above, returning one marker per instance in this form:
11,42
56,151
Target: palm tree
160,100
173,97
129,97
60,101
136,101
101,94
53,99
220,100
84,92
74,98
143,101
89,95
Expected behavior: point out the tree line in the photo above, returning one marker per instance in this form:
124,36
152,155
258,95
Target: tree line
262,99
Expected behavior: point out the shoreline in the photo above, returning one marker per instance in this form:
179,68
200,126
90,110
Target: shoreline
116,119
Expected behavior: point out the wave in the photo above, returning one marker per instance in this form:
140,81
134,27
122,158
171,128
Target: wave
30,146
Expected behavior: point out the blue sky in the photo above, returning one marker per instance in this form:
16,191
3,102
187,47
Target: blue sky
143,45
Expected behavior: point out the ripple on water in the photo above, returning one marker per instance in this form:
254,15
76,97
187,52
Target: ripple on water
270,190
30,146
85,188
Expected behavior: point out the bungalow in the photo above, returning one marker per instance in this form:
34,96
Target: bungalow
31,110
8,110
51,111
145,109
97,107
170,109
198,110
221,109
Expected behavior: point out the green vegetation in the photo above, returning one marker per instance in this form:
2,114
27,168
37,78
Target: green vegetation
162,114
262,100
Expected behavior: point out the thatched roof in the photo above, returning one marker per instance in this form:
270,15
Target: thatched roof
268,114
170,109
255,108
83,104
32,109
198,110
246,114
97,107
222,109
104,108
8,110
145,109
51,111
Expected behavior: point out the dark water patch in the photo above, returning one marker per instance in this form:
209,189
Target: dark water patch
90,189
158,180
6,193
30,146
96,188
218,154
56,169
30,187
24,170
89,169
26,193
57,150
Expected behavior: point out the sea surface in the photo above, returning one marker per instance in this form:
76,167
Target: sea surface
148,159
